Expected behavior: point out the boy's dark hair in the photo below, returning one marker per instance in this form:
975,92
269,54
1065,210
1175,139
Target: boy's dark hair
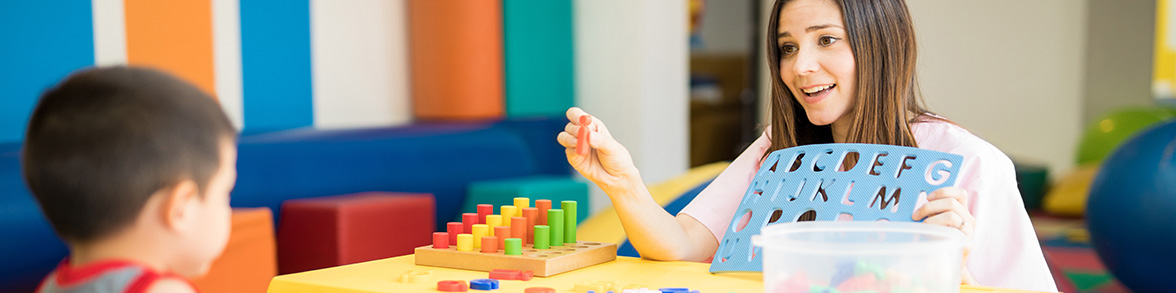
101,142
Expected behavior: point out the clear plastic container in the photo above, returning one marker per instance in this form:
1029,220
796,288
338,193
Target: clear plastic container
860,256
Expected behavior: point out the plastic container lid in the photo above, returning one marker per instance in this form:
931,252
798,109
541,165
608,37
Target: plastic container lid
881,237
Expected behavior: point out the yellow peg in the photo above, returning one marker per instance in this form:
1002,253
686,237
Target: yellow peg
507,212
479,231
521,203
491,222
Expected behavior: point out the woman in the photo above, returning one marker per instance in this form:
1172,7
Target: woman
845,74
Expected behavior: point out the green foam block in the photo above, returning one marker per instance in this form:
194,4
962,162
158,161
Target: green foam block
501,192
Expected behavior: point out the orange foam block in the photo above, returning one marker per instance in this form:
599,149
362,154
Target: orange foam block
250,258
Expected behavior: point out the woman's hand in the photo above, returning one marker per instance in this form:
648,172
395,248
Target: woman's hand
948,206
607,163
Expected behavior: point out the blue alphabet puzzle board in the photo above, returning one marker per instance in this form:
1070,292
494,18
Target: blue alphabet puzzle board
806,182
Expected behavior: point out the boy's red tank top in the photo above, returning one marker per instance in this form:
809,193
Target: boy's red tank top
114,276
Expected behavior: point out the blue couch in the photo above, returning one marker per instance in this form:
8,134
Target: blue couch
438,158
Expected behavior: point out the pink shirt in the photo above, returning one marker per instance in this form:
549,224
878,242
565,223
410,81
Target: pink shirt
1005,252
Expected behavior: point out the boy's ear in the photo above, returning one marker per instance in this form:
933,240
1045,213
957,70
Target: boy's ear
179,205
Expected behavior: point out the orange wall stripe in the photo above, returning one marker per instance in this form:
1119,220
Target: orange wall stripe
175,36
456,59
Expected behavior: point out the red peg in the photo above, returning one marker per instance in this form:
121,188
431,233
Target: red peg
452,286
582,145
468,220
440,240
454,228
483,211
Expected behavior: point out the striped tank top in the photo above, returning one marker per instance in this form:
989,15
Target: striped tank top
112,276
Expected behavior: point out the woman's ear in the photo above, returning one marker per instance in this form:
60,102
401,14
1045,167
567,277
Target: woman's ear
180,204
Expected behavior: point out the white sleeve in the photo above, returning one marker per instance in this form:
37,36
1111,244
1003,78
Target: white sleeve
1005,252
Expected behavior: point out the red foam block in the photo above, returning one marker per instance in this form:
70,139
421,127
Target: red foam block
315,233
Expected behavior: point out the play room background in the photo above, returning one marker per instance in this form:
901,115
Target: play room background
420,108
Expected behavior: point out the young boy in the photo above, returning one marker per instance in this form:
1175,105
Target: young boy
133,169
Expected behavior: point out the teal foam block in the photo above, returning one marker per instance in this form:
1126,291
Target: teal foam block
502,192
804,183
540,74
1032,181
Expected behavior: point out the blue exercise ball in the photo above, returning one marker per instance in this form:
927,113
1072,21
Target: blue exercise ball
1131,212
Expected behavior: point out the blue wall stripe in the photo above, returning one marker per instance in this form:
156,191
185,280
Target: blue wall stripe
276,64
40,43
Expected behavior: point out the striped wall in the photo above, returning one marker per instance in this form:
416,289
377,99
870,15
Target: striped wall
40,42
360,54
276,64
283,64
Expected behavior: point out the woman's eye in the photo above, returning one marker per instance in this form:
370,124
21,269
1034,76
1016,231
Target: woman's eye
787,50
827,40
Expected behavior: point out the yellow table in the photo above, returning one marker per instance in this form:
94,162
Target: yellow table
385,276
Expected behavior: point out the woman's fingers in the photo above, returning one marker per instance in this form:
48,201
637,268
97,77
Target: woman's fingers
572,129
952,192
566,140
574,113
952,220
934,207
942,200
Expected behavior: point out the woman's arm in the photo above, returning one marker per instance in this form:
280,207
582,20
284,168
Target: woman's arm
654,233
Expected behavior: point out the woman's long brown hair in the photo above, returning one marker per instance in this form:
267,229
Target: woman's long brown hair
887,102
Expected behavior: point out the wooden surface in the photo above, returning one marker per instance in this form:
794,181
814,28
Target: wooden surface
543,262
386,276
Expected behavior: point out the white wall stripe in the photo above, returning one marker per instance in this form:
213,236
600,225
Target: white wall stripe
360,65
226,55
632,73
110,32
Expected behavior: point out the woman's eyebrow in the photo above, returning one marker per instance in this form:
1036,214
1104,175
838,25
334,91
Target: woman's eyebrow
809,29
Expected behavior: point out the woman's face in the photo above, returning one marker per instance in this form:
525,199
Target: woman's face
816,62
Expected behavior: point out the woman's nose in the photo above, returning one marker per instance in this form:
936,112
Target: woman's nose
805,63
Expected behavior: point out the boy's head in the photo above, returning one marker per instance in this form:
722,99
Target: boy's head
108,145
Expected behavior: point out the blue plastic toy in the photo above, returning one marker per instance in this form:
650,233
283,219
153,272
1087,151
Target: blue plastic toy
484,284
1131,212
807,183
